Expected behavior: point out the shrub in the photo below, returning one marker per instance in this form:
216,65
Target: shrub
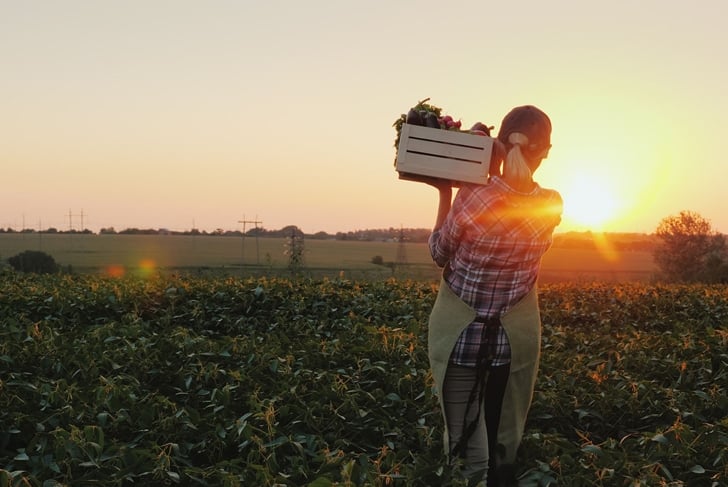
691,251
34,261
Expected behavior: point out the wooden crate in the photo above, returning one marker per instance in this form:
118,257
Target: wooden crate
447,154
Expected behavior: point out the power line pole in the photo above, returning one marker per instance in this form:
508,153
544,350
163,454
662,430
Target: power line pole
401,259
70,220
70,226
255,222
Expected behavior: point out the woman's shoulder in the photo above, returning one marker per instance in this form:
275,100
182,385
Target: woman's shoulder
551,201
481,192
492,185
549,193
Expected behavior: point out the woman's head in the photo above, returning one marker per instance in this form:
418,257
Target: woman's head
526,134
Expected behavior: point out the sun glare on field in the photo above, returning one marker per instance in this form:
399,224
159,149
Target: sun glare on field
146,267
115,270
590,202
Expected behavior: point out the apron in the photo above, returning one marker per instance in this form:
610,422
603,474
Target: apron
522,324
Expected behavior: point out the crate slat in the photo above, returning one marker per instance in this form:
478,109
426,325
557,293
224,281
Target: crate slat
458,156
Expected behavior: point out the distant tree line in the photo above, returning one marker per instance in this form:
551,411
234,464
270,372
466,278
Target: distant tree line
387,234
47,230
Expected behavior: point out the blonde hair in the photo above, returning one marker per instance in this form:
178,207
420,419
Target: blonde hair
515,167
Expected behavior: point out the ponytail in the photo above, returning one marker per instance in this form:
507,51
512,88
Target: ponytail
515,167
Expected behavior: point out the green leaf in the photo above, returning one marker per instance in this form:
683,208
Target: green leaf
321,482
660,438
591,449
173,475
665,471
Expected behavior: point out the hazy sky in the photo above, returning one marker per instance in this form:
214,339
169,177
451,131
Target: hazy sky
179,113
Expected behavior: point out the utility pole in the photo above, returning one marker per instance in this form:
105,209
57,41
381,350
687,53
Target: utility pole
255,222
401,259
70,225
70,220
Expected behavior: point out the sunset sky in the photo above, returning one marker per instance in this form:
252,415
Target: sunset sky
179,114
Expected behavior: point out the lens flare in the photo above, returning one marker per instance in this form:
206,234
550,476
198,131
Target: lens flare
146,267
115,270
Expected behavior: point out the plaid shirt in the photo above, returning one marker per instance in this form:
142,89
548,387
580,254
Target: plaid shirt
491,245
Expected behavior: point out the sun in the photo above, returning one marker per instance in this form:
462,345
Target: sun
590,202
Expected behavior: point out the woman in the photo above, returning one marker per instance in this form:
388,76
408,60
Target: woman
484,334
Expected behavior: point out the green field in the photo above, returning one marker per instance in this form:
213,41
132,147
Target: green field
89,253
279,382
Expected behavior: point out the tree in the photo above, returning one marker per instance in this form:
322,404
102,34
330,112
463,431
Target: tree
690,250
34,261
294,250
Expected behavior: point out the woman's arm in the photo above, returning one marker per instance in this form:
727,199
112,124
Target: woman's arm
444,189
439,253
443,207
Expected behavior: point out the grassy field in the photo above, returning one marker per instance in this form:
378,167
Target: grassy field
250,256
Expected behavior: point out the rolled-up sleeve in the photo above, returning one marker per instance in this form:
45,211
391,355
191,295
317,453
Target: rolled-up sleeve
439,255
444,241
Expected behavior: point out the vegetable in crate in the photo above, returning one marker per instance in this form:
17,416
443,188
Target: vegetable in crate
422,108
479,128
414,117
432,121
